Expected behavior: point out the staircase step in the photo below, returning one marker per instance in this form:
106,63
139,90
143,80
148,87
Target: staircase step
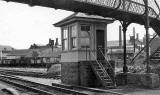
110,87
155,59
107,79
99,69
95,64
109,83
102,74
158,51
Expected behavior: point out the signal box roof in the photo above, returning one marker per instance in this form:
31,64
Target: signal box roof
83,17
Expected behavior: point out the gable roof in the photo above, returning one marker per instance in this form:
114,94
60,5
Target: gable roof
21,52
83,17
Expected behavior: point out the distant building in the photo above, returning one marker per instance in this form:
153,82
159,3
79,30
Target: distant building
115,48
36,54
4,53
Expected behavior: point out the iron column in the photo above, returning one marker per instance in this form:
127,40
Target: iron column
125,25
147,34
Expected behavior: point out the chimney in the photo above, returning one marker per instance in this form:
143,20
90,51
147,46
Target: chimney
56,43
134,43
12,49
49,40
120,36
137,36
52,42
134,32
5,49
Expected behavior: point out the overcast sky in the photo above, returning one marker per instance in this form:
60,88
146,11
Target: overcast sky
21,25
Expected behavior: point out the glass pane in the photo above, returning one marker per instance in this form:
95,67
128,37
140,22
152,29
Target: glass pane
74,42
83,34
73,31
85,27
84,42
65,45
65,33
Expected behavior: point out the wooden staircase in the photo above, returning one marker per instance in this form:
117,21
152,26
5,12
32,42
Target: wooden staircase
102,74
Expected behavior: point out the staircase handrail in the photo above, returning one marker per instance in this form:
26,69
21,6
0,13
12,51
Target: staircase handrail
157,7
155,51
142,49
151,54
106,59
104,71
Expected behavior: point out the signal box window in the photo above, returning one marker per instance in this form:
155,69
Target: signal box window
65,39
74,43
84,36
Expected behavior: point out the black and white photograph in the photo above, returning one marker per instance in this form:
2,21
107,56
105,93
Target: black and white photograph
79,47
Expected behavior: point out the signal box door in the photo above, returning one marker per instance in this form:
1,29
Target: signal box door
100,35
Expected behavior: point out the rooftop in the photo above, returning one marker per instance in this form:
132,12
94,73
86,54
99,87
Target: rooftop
83,17
42,52
115,43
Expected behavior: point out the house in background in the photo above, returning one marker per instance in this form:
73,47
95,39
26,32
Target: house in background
4,52
36,55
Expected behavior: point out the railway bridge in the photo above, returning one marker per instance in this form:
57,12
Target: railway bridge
144,12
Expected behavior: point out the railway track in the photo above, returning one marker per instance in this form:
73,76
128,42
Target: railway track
41,89
81,88
32,74
55,89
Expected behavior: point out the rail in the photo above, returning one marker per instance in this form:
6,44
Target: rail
152,54
90,89
142,50
104,70
70,89
106,59
36,87
155,51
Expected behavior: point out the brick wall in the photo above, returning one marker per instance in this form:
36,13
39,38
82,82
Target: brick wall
143,80
87,75
69,73
79,73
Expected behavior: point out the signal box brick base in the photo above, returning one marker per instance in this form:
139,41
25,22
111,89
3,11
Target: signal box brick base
79,73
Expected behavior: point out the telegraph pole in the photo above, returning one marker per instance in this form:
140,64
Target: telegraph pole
147,34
